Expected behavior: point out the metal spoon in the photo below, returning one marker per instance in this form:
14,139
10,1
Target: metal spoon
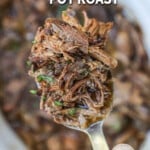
95,134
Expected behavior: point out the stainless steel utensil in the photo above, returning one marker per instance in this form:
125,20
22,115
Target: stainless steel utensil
96,136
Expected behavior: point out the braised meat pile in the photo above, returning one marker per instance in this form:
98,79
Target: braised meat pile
73,70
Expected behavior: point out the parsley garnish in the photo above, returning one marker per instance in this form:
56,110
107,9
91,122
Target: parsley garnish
72,111
34,92
43,98
68,61
29,63
58,103
45,78
34,42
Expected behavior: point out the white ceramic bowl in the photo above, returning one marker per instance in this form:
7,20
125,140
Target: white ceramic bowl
139,10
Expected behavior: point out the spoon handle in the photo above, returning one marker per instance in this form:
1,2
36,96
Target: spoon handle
95,133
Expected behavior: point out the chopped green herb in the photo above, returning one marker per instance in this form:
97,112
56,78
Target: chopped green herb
68,61
29,63
34,92
43,98
85,72
45,78
72,111
62,8
40,78
58,103
34,42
